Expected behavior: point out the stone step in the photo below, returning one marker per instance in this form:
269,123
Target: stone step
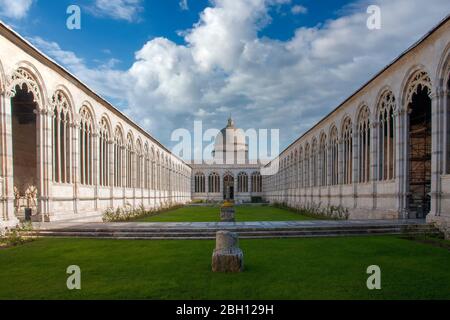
212,237
237,228
205,233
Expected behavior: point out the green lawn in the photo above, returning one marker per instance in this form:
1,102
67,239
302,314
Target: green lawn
211,214
327,268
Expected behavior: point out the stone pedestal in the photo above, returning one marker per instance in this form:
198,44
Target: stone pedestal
227,214
446,230
227,256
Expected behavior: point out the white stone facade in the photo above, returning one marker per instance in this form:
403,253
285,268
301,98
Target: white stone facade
385,151
69,154
230,174
246,181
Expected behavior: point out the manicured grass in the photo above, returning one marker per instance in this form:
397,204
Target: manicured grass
211,214
326,268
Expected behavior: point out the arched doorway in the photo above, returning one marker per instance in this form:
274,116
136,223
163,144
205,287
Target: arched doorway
228,187
24,149
419,156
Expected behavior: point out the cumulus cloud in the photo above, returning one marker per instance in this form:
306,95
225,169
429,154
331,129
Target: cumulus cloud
104,79
299,9
225,66
118,9
16,9
266,82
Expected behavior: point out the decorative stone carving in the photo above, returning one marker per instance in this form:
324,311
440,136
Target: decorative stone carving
31,196
227,256
419,78
21,77
27,200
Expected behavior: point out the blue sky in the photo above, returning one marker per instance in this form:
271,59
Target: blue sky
103,37
270,63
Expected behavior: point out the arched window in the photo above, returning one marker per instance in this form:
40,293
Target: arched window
129,159
62,137
146,167
334,156
386,136
364,145
323,160
314,163
199,183
256,182
300,168
103,163
169,174
295,171
118,157
242,182
165,168
306,165
347,155
291,171
162,173
153,169
214,183
86,147
158,171
139,164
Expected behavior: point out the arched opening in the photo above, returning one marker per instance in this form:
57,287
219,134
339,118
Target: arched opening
228,187
214,183
334,156
447,101
347,156
242,182
24,145
323,160
199,182
386,136
364,146
256,182
419,153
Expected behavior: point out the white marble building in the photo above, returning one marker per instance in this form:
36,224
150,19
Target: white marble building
385,151
69,154
230,174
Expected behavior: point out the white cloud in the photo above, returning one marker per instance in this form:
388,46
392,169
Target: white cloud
299,9
104,79
265,82
184,5
15,9
118,9
226,67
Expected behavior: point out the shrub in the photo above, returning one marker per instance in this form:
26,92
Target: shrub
127,212
13,237
317,211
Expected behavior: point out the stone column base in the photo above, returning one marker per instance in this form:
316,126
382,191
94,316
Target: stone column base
228,260
227,257
227,214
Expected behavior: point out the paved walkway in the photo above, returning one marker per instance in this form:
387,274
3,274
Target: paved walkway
222,225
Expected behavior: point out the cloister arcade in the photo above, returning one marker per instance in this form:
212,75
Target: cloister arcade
384,152
68,154
232,183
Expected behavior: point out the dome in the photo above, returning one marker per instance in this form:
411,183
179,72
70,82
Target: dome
230,144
